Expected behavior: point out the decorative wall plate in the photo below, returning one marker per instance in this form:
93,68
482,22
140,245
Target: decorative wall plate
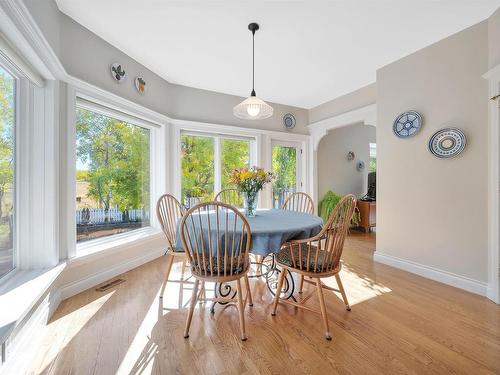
118,72
140,85
407,124
350,156
447,143
289,121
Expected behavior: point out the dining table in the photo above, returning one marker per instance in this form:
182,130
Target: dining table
270,229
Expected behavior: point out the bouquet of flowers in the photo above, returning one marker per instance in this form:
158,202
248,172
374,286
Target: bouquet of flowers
250,181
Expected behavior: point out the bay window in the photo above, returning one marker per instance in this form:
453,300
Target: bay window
207,162
112,175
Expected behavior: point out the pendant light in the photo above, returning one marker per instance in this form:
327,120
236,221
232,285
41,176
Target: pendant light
253,108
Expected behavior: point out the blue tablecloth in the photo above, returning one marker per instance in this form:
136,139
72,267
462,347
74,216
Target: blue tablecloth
272,228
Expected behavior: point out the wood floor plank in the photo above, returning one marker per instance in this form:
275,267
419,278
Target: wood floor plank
400,323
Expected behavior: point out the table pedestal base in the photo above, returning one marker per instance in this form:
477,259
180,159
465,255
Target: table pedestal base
270,274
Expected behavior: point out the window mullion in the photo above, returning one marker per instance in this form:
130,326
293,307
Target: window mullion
217,165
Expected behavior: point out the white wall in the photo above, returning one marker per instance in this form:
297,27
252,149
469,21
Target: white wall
360,98
434,212
335,172
494,39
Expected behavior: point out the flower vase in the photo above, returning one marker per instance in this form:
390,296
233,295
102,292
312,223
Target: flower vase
250,201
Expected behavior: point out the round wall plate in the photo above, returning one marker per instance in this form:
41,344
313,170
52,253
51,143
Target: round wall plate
360,165
447,143
118,72
140,85
407,124
289,121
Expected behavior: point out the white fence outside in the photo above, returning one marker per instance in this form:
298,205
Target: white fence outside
98,215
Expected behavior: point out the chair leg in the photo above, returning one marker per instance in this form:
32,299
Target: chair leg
342,291
167,274
259,259
241,311
278,290
191,308
202,295
249,293
301,283
183,268
323,309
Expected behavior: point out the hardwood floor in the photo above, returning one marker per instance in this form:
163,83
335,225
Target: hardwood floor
399,324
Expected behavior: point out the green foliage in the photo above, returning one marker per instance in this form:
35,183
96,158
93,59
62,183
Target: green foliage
117,156
284,168
82,175
373,164
328,204
235,154
7,85
197,155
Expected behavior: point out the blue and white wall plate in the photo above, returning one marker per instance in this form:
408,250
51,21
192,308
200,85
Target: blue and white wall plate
407,124
447,143
289,121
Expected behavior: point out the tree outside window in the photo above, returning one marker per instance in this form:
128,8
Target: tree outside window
285,168
113,175
198,165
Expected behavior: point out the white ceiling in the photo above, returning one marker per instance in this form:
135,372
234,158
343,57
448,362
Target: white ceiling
307,52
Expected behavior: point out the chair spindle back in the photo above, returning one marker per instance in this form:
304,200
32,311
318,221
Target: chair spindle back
230,196
300,202
169,211
217,238
322,252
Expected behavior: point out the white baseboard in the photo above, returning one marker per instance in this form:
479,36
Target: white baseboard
91,281
493,294
445,277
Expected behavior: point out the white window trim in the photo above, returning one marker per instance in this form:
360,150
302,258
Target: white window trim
36,178
261,153
11,69
217,137
80,97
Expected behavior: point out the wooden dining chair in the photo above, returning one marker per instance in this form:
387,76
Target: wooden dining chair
318,257
169,211
217,238
300,202
230,196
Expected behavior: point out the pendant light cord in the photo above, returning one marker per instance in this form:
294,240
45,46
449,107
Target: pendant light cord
253,63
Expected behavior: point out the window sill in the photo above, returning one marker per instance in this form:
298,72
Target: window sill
21,292
95,249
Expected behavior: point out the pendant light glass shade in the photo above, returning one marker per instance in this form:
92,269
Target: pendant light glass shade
253,108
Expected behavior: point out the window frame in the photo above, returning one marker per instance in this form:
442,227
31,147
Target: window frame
17,76
262,151
80,98
217,137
